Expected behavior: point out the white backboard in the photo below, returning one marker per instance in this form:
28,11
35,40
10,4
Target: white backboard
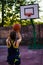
31,8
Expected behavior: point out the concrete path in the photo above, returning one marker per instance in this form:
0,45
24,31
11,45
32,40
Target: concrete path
28,57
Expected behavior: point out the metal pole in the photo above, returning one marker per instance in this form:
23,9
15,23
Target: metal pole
34,34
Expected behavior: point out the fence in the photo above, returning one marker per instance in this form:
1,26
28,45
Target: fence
26,32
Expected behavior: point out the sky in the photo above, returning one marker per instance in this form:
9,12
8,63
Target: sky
41,7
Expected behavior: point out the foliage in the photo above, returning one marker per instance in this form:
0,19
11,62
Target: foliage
11,15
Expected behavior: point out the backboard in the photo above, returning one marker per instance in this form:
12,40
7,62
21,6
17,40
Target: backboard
32,9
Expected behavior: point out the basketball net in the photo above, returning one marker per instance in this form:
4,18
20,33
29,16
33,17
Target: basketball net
28,14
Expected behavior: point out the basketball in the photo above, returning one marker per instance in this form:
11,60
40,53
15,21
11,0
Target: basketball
17,27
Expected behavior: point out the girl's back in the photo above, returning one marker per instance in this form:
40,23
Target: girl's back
13,48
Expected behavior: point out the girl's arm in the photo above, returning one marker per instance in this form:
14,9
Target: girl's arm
8,42
19,39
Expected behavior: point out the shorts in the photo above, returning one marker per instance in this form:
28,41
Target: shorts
14,59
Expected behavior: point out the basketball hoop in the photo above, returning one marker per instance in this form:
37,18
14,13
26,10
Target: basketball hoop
28,14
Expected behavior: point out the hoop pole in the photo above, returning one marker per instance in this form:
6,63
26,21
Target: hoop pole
34,34
33,45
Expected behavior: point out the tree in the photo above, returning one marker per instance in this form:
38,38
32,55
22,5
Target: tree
2,12
3,9
15,13
11,15
18,3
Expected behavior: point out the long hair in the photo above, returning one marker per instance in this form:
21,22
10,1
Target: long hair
13,35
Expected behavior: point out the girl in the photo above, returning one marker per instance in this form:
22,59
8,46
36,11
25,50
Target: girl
13,48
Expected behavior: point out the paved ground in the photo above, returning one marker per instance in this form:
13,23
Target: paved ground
28,57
